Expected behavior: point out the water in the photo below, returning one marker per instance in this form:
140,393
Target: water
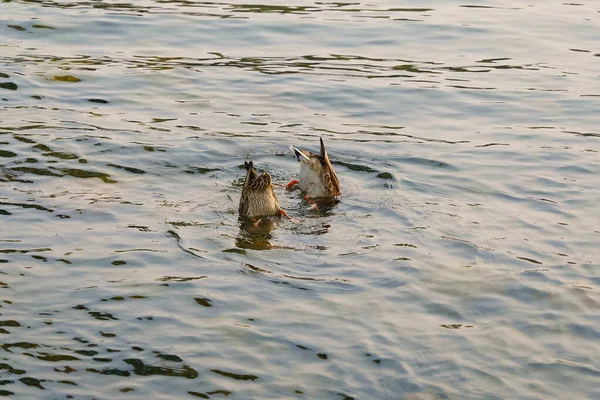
460,263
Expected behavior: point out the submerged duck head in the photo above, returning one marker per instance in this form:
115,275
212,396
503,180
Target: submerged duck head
317,177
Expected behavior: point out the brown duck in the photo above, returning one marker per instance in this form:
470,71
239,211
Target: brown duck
258,198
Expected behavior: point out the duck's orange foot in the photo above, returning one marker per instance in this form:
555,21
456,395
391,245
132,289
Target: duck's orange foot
256,222
291,184
283,213
311,201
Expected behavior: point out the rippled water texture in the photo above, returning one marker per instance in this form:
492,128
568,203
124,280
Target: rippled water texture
460,263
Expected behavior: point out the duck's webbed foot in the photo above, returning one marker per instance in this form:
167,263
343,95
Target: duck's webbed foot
284,214
291,184
313,203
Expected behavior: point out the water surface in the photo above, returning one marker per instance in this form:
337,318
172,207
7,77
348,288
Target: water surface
460,263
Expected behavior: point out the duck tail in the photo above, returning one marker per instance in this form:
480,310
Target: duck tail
297,153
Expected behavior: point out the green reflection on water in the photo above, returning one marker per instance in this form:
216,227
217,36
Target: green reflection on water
5,368
67,78
239,377
147,370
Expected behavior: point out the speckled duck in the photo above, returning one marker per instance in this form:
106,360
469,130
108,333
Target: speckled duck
258,198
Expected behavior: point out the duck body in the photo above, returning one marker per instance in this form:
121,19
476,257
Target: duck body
310,180
258,198
317,177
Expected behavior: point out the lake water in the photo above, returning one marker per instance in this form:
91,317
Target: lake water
461,262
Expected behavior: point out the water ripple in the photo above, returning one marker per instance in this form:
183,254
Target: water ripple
459,262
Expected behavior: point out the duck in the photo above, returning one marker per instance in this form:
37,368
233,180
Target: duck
317,177
258,198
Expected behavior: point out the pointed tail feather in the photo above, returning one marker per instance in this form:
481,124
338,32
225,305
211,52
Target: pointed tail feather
299,155
251,173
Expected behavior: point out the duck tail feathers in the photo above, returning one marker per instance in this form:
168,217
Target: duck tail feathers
298,154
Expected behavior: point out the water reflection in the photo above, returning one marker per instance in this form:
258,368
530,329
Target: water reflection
256,235
465,166
348,65
318,208
343,10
